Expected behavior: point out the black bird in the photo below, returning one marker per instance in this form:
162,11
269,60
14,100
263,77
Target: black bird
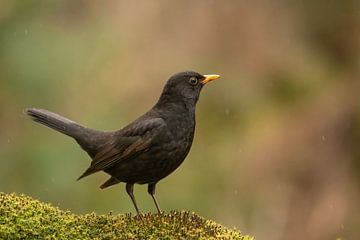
149,148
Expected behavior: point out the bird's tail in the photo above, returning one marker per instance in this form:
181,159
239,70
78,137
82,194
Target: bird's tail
88,139
56,122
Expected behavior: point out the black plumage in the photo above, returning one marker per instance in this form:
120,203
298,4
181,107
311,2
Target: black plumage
146,150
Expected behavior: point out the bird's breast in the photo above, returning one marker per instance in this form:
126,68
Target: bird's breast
169,155
168,150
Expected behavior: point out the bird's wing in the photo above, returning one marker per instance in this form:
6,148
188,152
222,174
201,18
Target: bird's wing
134,140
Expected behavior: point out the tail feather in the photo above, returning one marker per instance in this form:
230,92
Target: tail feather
111,181
55,121
88,139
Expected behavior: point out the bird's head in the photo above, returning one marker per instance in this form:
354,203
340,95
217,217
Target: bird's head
185,86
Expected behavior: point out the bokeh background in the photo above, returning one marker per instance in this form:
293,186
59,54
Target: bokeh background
277,147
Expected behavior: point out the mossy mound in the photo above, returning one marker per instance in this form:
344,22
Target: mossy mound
22,217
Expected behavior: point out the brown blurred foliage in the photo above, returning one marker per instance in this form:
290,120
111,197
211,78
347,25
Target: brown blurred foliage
277,147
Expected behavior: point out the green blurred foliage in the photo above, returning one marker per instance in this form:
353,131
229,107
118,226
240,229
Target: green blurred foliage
276,151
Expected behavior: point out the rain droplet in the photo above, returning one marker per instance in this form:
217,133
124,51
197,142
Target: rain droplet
323,138
26,32
227,112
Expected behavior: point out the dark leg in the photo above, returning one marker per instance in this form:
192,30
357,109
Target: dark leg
129,190
151,191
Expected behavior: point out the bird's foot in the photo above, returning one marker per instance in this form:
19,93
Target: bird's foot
160,212
139,216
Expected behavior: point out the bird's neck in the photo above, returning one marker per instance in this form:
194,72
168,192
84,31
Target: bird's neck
177,104
179,116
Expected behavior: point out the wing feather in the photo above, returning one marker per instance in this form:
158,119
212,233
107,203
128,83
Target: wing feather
126,147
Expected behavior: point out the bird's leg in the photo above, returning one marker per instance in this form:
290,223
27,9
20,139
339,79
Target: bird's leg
151,191
129,190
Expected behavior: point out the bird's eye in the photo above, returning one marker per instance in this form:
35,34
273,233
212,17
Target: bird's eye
193,81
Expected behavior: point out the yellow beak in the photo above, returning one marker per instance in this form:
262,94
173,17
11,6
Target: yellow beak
209,78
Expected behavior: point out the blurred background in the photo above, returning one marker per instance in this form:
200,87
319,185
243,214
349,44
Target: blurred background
277,146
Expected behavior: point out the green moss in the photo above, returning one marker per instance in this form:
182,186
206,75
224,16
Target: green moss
22,217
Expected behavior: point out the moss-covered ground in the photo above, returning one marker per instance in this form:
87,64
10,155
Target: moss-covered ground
22,217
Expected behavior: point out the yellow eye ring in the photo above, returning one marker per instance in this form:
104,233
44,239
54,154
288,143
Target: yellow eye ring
193,81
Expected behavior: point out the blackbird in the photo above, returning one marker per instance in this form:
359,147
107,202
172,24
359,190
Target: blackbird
149,148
